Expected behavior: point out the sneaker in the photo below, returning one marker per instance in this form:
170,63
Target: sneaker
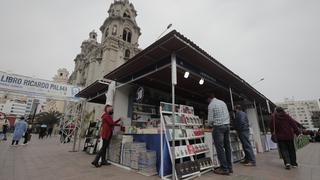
96,164
105,163
244,161
288,166
250,164
221,171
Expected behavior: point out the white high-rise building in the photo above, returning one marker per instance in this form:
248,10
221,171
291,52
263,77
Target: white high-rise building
14,107
301,111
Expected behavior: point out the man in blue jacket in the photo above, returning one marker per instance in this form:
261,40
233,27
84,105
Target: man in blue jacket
241,125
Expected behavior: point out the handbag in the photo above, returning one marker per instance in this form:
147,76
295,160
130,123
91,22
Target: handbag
273,135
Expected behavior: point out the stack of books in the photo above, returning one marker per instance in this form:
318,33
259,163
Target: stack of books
136,148
126,158
187,168
147,163
115,149
205,163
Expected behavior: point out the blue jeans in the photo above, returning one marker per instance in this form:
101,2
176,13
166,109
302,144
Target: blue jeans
221,138
244,137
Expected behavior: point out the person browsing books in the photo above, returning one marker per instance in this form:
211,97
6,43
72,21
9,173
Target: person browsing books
106,134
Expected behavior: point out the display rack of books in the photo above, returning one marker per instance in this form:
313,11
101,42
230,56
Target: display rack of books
190,149
252,141
145,115
212,150
92,138
236,147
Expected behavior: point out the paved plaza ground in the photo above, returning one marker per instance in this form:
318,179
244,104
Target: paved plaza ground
49,160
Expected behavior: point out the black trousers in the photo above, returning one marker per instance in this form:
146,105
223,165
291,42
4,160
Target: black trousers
102,152
288,152
15,142
26,138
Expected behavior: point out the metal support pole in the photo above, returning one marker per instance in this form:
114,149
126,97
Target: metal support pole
161,143
75,140
81,124
262,119
173,82
232,105
75,121
231,98
268,105
255,106
34,112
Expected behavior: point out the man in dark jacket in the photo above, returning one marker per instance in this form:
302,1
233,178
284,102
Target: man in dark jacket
241,125
285,128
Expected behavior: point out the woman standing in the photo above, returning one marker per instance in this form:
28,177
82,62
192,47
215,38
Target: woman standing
106,134
285,128
19,129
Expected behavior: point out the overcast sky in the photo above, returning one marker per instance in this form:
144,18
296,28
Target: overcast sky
274,39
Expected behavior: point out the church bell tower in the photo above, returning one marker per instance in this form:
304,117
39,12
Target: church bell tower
120,35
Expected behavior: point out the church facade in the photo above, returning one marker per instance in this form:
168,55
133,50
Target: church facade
119,42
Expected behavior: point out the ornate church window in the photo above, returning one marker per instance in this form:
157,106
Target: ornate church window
114,30
126,35
126,14
106,32
129,37
127,53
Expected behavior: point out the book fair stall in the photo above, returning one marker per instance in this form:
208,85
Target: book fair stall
161,96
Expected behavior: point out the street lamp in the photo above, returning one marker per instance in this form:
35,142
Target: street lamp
262,79
168,27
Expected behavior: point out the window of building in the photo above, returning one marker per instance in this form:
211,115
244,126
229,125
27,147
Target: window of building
126,14
127,53
129,37
126,35
106,32
114,30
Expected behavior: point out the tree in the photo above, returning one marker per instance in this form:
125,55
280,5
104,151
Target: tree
49,118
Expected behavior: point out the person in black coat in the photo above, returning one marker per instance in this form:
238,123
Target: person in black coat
5,128
27,135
